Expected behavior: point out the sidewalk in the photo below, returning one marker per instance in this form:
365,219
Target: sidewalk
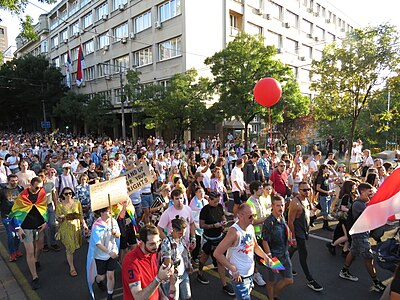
9,288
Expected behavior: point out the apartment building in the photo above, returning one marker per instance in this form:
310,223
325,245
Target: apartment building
160,38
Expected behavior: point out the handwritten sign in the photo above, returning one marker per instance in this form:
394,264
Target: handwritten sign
137,178
99,192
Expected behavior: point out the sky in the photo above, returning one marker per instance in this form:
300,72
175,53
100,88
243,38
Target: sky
362,12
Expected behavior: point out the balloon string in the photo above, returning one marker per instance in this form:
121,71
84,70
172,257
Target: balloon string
270,128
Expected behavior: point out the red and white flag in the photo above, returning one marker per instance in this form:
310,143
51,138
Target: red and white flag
383,205
81,66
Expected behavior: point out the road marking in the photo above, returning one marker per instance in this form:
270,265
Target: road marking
19,276
319,237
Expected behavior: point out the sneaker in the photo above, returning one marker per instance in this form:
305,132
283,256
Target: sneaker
55,248
46,248
18,253
378,287
38,266
202,278
228,289
331,248
314,286
347,275
330,218
35,283
13,257
258,279
294,273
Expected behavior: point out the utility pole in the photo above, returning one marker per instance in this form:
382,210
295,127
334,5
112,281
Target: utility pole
122,97
44,108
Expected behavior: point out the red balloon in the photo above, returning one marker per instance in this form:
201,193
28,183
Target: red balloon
267,92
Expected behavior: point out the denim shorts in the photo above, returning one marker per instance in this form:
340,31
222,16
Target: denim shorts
182,285
147,200
361,247
32,235
243,289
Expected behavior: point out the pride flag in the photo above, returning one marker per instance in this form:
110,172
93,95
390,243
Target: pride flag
130,209
22,206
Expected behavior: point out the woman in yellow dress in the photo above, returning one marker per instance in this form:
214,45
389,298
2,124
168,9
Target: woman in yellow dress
70,217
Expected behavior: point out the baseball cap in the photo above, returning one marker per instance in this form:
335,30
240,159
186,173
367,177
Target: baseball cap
66,165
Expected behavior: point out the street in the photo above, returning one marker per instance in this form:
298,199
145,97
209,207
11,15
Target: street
57,283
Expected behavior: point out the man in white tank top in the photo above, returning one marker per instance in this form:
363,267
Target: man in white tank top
240,244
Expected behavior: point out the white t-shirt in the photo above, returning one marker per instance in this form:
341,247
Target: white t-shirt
24,179
207,176
237,175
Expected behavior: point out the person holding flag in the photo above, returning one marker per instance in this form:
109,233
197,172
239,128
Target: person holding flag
29,214
103,252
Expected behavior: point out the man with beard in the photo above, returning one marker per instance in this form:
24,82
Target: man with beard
140,278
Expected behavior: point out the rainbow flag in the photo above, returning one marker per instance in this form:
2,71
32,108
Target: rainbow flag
130,209
276,264
22,206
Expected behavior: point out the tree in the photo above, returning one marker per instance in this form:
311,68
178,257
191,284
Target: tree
72,109
26,83
238,67
17,8
98,113
177,107
349,73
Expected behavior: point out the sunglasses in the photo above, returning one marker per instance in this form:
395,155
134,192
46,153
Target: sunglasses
306,190
281,166
68,194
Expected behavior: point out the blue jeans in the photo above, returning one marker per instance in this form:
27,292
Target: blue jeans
147,200
182,286
325,202
243,289
12,238
51,229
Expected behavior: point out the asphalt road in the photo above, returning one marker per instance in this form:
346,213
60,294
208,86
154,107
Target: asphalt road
57,284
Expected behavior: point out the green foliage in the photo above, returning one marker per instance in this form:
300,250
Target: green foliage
98,112
72,107
238,67
27,28
348,74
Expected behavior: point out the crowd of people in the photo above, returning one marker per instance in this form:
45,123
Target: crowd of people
183,220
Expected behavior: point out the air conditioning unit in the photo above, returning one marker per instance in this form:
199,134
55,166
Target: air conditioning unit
302,58
124,40
104,17
106,47
132,35
56,47
286,25
76,34
310,10
259,11
65,41
279,50
108,77
157,24
316,39
328,21
309,35
316,14
121,7
268,16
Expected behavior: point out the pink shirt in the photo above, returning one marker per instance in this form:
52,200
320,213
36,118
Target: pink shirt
171,213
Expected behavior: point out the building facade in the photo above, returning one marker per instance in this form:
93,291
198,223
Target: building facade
160,38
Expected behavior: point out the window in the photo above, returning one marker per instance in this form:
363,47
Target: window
306,26
87,20
143,57
254,29
294,71
43,47
142,22
101,11
306,51
84,2
64,58
235,22
103,40
292,19
120,32
319,33
292,46
104,69
317,55
170,49
64,34
117,95
105,94
74,54
88,47
274,39
121,62
88,73
56,62
117,3
276,11
169,9
54,41
74,28
330,38
73,7
62,15
165,83
304,75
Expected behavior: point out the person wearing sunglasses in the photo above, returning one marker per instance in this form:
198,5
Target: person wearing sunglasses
70,217
298,222
29,214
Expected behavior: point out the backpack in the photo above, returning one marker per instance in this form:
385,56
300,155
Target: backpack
337,212
388,253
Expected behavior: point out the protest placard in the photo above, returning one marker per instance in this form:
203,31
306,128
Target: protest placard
138,177
99,192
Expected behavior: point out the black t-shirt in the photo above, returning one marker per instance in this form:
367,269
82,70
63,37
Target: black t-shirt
7,198
34,219
92,175
211,215
323,181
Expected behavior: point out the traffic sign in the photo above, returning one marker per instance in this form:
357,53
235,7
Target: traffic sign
45,124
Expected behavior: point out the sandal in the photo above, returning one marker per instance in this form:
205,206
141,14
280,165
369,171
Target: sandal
73,273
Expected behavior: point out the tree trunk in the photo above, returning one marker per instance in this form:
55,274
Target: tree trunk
350,144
